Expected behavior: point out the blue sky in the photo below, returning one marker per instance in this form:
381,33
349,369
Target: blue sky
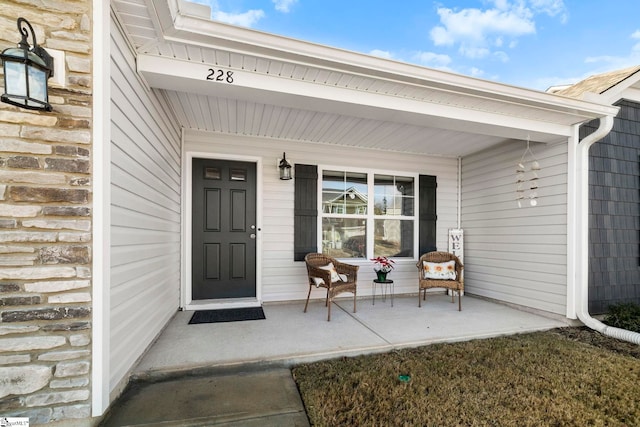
528,43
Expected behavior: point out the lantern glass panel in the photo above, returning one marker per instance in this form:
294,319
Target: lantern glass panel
37,84
14,78
285,173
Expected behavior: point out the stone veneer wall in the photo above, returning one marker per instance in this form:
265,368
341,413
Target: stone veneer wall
45,228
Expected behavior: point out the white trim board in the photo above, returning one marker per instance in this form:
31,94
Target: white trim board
101,177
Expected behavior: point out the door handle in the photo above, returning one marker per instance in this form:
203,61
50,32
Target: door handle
252,235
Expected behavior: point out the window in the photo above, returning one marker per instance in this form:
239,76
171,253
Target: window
367,214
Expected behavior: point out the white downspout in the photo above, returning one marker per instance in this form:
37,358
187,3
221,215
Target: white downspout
582,236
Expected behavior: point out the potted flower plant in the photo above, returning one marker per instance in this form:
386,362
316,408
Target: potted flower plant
382,266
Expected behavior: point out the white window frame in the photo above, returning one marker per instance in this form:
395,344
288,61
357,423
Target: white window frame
370,217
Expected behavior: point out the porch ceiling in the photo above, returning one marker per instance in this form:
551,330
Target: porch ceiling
288,89
268,120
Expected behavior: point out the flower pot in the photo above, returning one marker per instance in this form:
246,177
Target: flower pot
382,275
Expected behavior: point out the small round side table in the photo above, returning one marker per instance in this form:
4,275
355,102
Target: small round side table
383,284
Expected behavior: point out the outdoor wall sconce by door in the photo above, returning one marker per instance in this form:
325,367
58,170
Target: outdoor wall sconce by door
26,72
285,168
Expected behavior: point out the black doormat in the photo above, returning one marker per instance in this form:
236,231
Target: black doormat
227,315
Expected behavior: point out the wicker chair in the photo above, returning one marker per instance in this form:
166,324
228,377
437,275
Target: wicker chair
314,261
455,285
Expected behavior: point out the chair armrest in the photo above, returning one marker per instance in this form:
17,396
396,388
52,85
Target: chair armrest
459,268
348,269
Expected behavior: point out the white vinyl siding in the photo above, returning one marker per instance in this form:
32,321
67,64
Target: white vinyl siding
284,279
145,213
517,255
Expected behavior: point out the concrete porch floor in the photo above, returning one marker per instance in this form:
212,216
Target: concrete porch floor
236,374
288,336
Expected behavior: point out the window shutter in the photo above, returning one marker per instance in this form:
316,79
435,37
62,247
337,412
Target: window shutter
427,213
305,222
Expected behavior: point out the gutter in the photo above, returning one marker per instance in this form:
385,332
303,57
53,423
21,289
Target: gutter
582,293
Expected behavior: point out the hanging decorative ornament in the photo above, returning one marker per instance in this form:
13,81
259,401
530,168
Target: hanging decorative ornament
527,178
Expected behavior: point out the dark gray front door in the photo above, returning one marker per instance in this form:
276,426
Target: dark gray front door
224,229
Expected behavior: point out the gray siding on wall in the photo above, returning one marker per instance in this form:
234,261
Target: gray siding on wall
517,255
614,212
145,213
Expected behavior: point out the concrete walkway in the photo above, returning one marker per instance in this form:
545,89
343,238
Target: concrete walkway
261,398
237,373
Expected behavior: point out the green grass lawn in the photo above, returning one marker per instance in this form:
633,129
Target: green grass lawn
564,377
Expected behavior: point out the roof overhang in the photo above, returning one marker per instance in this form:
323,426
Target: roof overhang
278,87
628,89
606,88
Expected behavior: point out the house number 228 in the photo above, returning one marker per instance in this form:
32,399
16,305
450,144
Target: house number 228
220,75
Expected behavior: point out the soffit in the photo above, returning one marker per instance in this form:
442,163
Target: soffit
294,90
232,116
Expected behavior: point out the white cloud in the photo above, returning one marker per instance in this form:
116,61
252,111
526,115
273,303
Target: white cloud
606,63
474,26
478,31
381,54
441,36
609,62
501,56
433,60
597,65
284,6
476,72
636,35
551,8
428,59
474,52
245,19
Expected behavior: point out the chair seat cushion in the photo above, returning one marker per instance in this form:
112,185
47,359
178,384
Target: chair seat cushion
439,270
335,276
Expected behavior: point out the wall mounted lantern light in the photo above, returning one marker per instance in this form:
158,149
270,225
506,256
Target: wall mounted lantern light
26,72
285,168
